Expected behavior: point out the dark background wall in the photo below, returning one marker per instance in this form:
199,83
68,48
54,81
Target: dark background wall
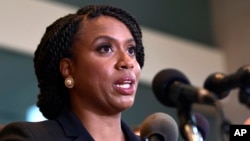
19,89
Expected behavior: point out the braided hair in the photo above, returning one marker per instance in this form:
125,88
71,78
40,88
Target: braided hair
57,43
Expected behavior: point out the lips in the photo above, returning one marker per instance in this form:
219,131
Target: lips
125,85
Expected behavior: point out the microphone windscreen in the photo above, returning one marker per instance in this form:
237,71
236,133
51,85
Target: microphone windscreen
215,83
202,124
159,124
163,81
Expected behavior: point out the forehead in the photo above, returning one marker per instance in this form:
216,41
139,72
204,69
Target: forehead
102,26
101,23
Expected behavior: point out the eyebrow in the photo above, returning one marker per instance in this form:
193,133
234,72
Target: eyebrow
112,39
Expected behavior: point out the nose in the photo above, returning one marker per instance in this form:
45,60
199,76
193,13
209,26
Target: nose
125,61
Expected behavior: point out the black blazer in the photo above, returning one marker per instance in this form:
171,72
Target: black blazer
65,128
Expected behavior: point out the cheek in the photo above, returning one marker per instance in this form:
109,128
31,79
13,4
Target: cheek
137,70
96,71
91,78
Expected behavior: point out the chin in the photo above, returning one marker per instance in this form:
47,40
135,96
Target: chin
127,105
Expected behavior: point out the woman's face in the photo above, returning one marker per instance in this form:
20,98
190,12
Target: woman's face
104,66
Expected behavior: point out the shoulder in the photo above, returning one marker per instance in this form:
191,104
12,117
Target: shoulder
26,131
16,131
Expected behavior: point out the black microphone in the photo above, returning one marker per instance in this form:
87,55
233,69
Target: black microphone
222,84
159,127
172,88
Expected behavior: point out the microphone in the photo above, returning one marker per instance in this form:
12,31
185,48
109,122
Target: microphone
159,127
172,88
221,84
194,129
202,124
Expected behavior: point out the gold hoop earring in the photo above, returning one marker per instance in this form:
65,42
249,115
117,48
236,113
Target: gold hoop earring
69,82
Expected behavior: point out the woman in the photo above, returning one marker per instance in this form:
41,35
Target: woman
87,66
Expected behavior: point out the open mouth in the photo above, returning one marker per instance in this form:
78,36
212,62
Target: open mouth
125,85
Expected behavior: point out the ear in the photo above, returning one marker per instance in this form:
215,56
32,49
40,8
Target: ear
66,67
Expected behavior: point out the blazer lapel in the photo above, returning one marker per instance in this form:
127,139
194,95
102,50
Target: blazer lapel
73,127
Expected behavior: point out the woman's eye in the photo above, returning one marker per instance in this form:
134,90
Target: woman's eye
131,51
105,49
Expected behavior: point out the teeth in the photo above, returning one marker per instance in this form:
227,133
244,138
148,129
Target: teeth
123,85
127,82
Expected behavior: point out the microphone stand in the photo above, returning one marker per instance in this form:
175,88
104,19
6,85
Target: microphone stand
192,133
155,137
187,126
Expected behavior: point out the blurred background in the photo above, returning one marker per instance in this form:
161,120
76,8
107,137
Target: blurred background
196,37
